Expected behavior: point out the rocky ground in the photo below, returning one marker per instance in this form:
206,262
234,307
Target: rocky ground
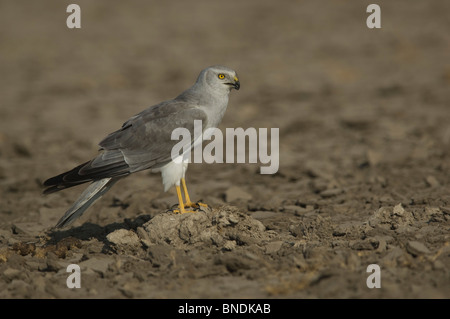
364,150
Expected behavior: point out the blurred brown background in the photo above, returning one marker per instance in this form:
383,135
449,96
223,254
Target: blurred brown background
363,113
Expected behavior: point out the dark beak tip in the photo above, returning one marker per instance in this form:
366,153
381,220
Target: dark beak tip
237,85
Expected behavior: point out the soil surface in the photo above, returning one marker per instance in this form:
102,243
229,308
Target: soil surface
364,136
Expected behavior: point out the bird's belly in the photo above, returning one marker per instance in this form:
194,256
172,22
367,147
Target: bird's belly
172,173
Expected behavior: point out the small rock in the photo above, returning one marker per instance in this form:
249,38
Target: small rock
273,247
233,219
123,237
399,210
416,248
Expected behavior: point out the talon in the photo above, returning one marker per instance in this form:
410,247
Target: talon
195,205
190,204
188,199
181,206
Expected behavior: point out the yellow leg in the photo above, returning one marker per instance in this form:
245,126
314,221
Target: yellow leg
188,199
182,210
186,195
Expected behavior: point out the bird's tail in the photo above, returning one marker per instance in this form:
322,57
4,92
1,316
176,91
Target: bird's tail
93,192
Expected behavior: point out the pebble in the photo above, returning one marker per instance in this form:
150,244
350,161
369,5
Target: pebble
273,247
123,237
416,248
399,210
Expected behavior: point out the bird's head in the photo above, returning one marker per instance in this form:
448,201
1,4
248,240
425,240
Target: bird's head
220,78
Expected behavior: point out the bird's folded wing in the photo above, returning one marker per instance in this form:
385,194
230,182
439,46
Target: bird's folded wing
145,140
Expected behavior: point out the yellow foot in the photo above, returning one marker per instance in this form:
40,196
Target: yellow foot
195,205
180,209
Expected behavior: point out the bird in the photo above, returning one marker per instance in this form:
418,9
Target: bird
144,143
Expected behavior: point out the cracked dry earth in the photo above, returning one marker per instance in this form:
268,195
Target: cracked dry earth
364,150
224,252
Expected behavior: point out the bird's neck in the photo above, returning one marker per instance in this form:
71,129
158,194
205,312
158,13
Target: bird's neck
214,104
202,97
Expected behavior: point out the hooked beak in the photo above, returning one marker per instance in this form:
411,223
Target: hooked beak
236,84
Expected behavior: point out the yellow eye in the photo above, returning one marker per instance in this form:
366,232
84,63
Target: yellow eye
221,76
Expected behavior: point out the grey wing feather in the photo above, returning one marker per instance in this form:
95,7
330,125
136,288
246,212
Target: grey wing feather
145,139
